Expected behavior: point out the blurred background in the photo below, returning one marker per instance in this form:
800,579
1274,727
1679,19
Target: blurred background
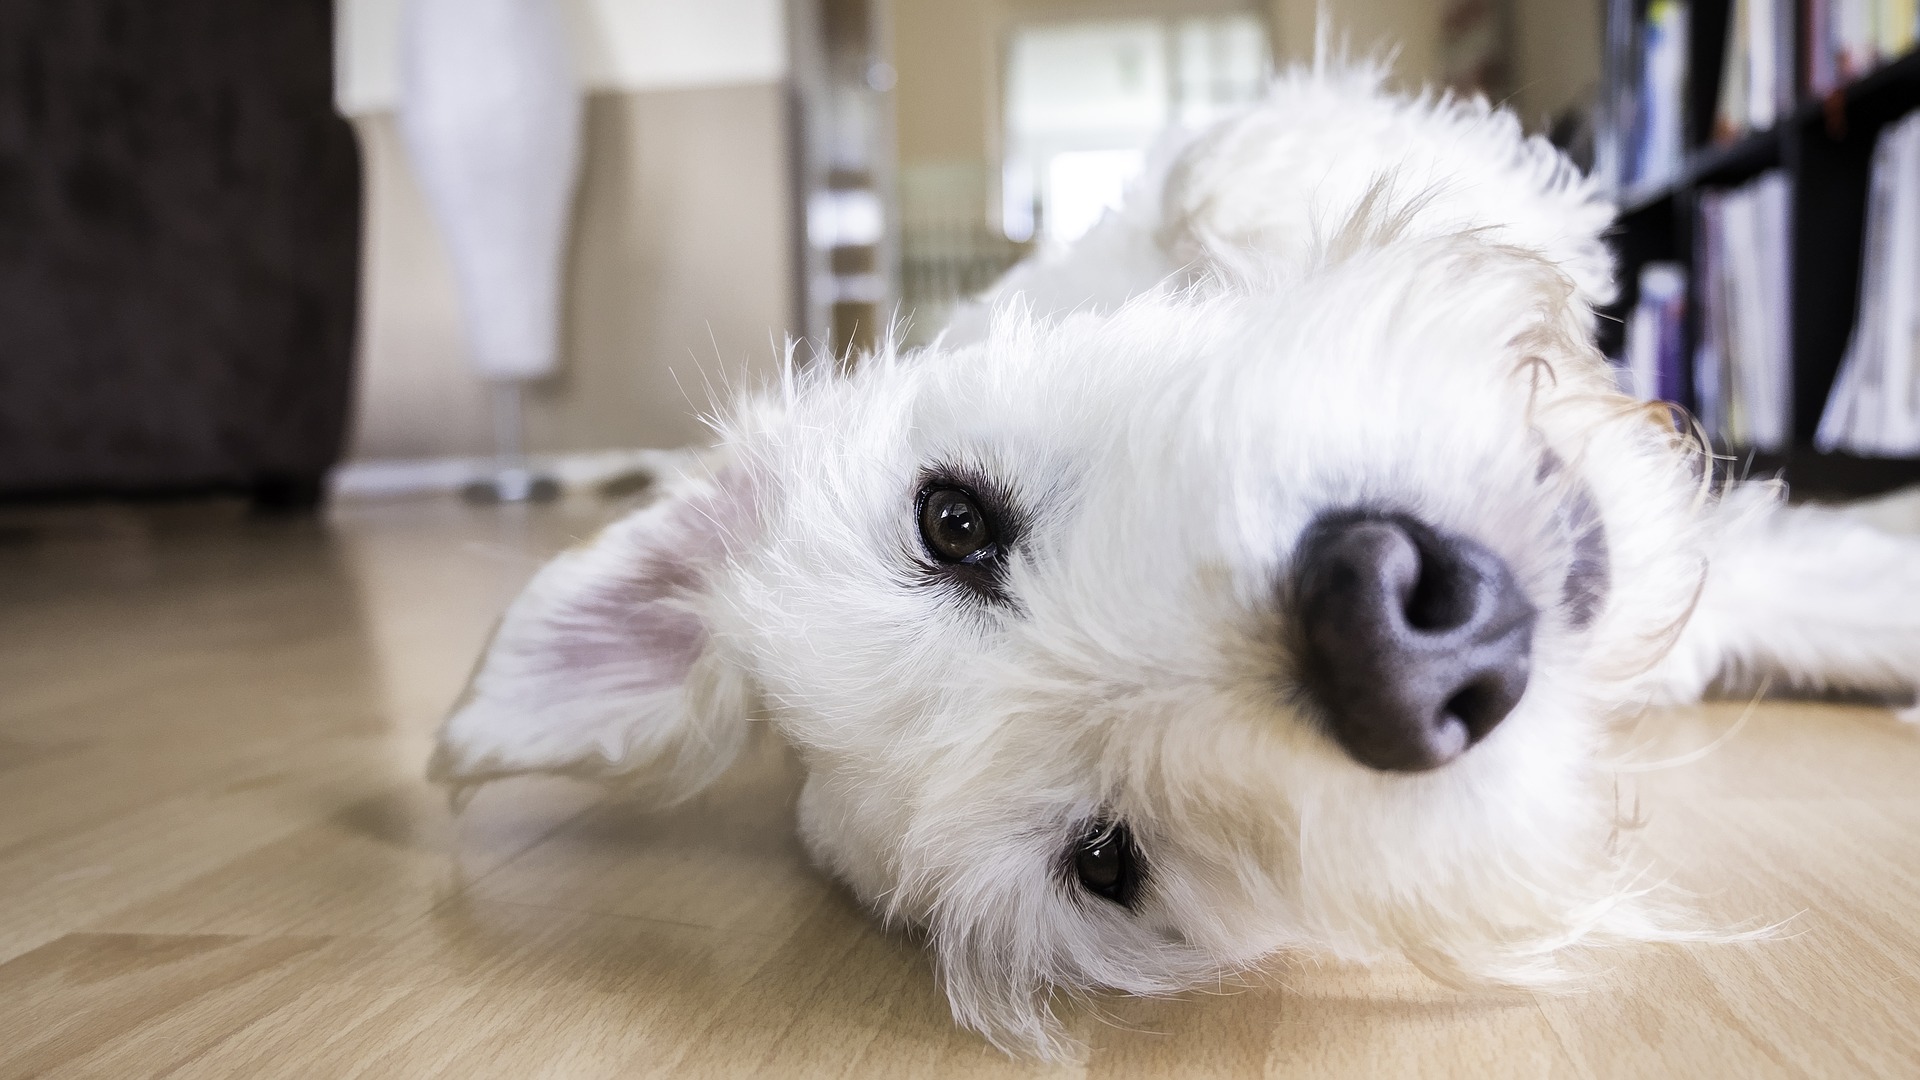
220,269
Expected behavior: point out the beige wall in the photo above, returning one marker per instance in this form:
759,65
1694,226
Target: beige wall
678,274
1557,53
1412,27
1556,44
947,56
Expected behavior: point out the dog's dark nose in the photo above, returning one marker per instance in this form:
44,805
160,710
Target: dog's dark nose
1416,642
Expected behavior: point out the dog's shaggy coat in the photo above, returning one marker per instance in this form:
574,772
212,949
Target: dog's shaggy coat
1340,299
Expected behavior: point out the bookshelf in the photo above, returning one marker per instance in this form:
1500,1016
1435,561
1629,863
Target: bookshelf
1824,145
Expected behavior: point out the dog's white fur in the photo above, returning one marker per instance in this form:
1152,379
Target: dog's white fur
1374,300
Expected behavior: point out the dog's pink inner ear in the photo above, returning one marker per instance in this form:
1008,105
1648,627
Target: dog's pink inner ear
633,623
602,666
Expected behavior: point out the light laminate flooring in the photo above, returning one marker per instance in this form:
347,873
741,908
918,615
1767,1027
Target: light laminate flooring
218,858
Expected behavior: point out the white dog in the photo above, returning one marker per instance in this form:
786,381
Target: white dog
1265,580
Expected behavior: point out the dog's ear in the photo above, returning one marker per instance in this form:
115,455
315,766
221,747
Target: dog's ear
605,666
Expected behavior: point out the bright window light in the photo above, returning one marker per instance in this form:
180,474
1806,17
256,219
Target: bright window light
1082,185
846,218
1085,99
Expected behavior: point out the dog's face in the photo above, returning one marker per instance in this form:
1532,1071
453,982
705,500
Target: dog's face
1127,651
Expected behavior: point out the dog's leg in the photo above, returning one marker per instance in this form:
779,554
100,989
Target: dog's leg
1810,598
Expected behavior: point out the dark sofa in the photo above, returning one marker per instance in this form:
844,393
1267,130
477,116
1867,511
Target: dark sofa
179,239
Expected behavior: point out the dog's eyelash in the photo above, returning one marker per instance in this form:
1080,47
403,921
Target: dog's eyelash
983,578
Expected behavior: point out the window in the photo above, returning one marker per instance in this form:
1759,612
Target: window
1085,100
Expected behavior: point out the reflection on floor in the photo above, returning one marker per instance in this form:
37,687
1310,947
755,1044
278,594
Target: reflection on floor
217,856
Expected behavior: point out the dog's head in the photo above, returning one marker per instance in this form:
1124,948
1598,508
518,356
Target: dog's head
1129,650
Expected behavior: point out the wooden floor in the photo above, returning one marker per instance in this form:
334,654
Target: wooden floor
218,858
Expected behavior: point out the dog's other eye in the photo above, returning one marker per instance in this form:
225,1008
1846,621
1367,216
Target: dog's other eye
955,528
1107,864
1589,576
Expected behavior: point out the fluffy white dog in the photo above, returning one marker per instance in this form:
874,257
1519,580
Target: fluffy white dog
1266,579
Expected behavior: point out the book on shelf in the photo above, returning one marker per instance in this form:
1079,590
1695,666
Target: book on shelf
1756,69
1657,143
1845,39
1743,375
1655,348
1874,407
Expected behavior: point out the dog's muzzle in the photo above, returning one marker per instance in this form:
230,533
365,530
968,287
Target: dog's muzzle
1415,642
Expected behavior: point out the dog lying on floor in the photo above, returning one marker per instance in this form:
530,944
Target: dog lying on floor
1263,574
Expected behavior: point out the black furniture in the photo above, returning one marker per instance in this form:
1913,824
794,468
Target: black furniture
1825,145
179,246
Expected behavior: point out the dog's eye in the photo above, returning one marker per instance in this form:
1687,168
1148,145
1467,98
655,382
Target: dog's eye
969,529
955,528
1107,863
